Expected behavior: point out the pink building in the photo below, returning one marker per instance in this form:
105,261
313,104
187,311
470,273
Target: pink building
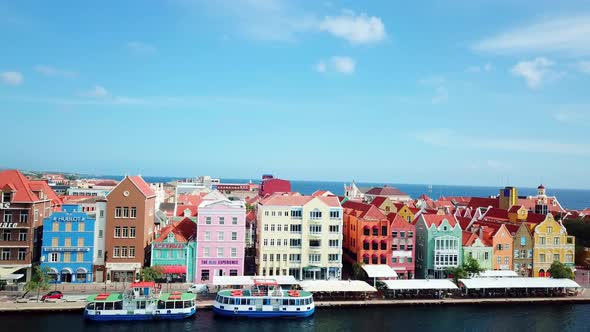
221,227
402,246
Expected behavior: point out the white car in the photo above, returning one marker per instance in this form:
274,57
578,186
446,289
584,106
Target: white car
198,288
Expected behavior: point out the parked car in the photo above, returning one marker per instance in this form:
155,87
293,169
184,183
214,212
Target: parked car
198,288
52,295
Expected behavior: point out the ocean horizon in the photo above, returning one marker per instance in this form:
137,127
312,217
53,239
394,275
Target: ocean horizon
575,199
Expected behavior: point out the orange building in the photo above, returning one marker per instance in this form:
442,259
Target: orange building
502,242
366,234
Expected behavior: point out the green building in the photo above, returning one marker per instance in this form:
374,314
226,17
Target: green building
175,251
438,245
477,248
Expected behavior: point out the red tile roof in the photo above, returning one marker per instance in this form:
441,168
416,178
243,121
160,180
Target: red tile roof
187,199
425,197
183,231
397,222
496,214
476,202
385,191
464,222
378,201
24,188
145,188
514,209
42,185
468,238
194,210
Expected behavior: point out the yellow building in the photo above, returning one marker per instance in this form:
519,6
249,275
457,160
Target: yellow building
407,213
299,236
551,244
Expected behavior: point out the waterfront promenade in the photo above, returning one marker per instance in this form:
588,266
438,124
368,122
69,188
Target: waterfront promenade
73,303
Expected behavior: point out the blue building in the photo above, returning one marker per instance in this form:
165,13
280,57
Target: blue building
68,243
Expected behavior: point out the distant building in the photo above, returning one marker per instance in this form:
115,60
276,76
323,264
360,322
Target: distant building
68,245
23,206
299,236
392,193
523,251
221,228
270,185
478,249
175,251
129,228
438,245
551,244
403,246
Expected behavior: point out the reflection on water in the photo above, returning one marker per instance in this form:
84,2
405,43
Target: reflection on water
517,317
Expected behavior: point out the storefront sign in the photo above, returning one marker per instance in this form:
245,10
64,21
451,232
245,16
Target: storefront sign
66,249
4,205
8,225
69,218
168,246
219,262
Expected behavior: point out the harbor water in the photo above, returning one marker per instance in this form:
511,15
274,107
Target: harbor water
440,318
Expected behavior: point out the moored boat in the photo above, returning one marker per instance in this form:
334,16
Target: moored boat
264,299
142,301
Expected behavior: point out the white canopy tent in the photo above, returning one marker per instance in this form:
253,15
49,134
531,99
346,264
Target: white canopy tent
12,276
6,270
379,271
249,280
497,274
419,284
336,286
510,283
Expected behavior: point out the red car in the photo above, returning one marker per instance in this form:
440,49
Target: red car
52,295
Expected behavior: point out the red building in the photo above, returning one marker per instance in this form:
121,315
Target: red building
270,185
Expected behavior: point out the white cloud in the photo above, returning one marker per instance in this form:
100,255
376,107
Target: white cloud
444,137
579,115
141,48
53,71
13,78
569,35
339,64
534,71
479,69
357,29
584,66
96,92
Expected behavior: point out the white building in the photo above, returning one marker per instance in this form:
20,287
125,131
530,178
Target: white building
299,236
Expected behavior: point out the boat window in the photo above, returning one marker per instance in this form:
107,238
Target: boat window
187,304
218,298
161,305
169,304
244,301
140,304
266,301
99,305
291,302
119,305
285,302
225,300
90,306
108,306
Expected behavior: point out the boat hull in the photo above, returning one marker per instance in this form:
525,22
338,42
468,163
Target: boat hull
132,317
264,314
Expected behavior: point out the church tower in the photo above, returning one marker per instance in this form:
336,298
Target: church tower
541,201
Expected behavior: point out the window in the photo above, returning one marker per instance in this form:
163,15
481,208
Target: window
402,247
556,257
222,220
333,257
272,228
204,275
506,246
498,260
542,240
24,216
207,236
522,240
285,242
219,252
118,212
125,212
206,252
486,255
556,240
569,258
506,260
315,214
410,247
280,213
101,214
529,253
516,254
35,215
123,251
5,254
125,232
549,229
234,236
366,231
266,228
295,257
393,234
334,228
99,254
117,232
295,228
334,243
132,251
284,257
278,242
219,236
116,251
334,214
296,214
132,232
68,227
234,252
264,257
315,258
6,197
272,257
315,229
375,231
286,227
6,235
279,227
22,235
542,258
53,257
234,220
266,213
133,212
265,242
234,273
402,234
81,227
295,243
208,220
410,234
272,242
315,243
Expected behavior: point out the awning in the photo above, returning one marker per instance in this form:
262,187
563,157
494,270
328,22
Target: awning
503,283
417,284
497,273
379,271
12,276
173,269
8,270
249,280
336,286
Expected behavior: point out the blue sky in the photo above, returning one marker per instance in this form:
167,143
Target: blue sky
441,92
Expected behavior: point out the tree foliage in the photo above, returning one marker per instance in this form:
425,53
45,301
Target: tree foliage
457,272
358,272
152,273
472,267
559,270
39,281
